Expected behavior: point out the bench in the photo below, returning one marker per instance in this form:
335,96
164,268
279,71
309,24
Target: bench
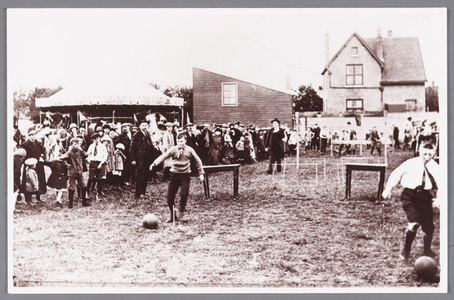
235,168
364,167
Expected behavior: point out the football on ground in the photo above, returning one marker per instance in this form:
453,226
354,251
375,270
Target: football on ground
150,221
426,267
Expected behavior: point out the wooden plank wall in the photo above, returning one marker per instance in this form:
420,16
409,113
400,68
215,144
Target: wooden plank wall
257,105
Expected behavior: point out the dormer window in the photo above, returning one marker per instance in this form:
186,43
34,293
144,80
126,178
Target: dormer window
354,51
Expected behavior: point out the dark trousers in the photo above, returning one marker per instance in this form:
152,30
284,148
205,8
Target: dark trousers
275,157
182,182
127,170
323,143
28,196
418,208
373,148
292,149
315,144
142,174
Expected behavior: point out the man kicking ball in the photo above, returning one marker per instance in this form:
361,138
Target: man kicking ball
418,176
180,173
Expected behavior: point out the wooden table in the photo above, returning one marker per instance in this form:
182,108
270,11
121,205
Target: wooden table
364,167
235,168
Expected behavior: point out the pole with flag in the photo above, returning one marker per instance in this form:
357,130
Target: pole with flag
188,119
80,118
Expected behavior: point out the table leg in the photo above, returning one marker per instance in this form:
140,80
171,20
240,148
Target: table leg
381,184
206,186
348,178
236,173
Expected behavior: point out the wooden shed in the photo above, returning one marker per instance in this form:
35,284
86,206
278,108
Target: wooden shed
223,99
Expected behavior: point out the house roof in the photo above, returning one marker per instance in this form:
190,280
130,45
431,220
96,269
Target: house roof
241,78
402,59
109,93
363,42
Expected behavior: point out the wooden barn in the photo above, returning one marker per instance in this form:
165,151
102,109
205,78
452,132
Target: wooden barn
222,99
111,102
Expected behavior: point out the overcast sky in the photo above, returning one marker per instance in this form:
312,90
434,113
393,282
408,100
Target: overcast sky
52,47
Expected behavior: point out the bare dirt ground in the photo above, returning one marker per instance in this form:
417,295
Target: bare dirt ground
290,232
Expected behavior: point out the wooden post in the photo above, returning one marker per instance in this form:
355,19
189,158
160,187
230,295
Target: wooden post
297,114
316,173
283,173
386,153
324,169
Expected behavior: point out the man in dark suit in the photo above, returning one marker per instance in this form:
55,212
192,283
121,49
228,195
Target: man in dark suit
142,155
396,137
316,138
275,145
125,138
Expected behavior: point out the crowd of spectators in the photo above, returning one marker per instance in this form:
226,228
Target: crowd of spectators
130,149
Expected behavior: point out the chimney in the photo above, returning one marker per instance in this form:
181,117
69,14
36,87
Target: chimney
379,45
326,48
390,33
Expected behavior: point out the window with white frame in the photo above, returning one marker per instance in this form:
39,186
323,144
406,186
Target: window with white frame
230,94
354,51
355,104
411,104
354,75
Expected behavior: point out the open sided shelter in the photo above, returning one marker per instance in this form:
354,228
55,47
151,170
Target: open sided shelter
118,102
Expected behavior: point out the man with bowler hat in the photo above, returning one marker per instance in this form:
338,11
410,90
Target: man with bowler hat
275,145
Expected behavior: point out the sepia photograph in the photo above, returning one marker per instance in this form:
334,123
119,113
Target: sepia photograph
227,150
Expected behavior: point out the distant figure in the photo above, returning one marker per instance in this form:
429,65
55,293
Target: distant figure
275,145
375,140
396,137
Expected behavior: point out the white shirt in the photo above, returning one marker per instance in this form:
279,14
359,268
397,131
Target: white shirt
410,174
101,152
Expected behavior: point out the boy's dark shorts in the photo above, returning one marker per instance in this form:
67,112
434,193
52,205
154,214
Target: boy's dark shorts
418,207
94,172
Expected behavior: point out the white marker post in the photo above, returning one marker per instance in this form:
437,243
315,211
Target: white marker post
297,116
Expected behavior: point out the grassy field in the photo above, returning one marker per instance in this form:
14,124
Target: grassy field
281,232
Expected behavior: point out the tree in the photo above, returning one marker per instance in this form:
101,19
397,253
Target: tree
185,92
24,102
432,98
21,100
307,99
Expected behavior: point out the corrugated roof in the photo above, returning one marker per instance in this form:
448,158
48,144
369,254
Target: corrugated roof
402,58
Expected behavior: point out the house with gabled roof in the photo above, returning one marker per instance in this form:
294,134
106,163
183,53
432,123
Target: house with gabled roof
374,75
219,99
